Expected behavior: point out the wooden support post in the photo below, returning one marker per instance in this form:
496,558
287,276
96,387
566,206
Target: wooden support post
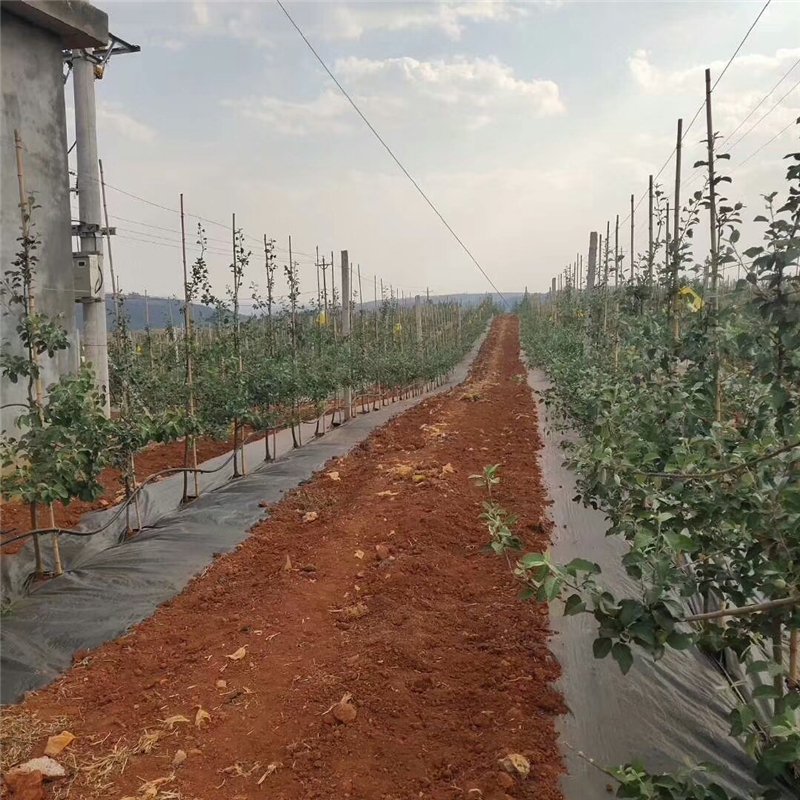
650,253
633,211
676,235
348,389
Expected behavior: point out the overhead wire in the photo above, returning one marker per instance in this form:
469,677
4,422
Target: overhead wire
760,102
392,154
754,126
702,105
752,155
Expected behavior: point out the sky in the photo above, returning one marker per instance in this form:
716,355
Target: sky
528,124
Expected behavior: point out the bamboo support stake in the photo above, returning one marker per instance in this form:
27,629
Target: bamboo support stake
777,657
676,234
236,473
346,280
793,652
58,569
712,214
633,211
650,253
25,212
190,447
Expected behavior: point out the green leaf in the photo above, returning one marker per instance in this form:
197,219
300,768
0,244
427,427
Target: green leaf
601,647
680,641
552,587
574,605
765,692
629,611
622,654
582,565
757,666
534,559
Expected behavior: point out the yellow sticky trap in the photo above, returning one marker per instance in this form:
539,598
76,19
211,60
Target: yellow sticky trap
693,300
398,327
322,318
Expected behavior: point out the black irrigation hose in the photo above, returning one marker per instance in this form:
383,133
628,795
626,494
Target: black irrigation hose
149,479
123,506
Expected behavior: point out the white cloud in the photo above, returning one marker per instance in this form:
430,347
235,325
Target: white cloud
354,20
472,92
476,85
114,117
296,118
656,80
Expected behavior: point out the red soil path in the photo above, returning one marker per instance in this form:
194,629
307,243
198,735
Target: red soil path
370,581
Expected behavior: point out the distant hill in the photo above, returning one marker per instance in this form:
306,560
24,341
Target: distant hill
162,310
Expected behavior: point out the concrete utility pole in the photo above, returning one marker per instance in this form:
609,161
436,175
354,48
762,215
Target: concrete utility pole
348,390
95,333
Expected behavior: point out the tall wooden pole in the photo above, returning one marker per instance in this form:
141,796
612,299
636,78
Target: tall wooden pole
712,224
650,231
712,195
676,233
190,443
616,252
348,389
34,387
605,278
633,211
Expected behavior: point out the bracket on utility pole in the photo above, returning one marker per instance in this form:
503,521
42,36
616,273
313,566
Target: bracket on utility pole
92,229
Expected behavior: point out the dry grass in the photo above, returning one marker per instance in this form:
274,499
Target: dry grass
21,732
100,771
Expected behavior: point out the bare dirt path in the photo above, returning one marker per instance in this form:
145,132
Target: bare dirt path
370,583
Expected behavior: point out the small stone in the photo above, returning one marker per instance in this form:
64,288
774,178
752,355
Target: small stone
48,767
308,568
516,764
178,758
195,752
383,551
221,684
345,713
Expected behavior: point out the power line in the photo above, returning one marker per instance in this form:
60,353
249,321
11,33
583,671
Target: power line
758,105
391,153
693,176
779,133
702,105
755,125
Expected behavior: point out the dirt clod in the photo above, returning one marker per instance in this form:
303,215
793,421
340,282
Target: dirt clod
382,551
345,713
25,785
